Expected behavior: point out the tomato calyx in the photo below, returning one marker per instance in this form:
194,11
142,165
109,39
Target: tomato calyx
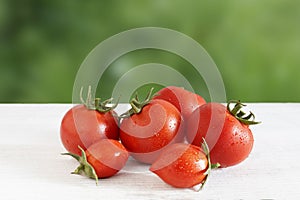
137,105
85,167
210,166
96,103
248,119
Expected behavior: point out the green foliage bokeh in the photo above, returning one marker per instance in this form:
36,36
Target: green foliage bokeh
255,44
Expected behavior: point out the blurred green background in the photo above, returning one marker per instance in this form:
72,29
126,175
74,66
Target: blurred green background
255,44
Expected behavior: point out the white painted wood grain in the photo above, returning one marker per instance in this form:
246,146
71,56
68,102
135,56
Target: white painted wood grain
31,166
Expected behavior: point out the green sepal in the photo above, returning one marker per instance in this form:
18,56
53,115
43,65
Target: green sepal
137,105
210,166
241,115
96,103
85,168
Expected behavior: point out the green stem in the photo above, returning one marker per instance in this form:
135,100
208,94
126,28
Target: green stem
137,105
239,114
96,103
210,166
85,167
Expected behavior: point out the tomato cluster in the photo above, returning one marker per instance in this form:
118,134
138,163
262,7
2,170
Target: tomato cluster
180,135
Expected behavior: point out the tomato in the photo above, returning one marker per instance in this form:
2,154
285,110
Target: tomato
83,127
185,101
87,123
183,165
103,159
226,132
144,134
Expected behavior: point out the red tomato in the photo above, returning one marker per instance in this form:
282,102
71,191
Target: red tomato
229,139
185,101
146,133
182,165
103,159
82,126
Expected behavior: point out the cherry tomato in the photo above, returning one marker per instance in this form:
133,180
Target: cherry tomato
185,101
144,134
183,165
226,132
87,123
103,159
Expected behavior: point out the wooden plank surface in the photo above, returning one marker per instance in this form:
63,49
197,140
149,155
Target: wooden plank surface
31,166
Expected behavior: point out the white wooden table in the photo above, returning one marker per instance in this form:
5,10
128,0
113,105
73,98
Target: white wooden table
31,166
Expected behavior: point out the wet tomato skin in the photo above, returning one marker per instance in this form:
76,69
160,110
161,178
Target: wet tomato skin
181,165
83,127
145,134
229,140
185,101
107,157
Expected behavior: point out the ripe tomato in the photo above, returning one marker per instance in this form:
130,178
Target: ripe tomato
183,165
185,101
83,127
144,134
103,159
87,123
226,132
